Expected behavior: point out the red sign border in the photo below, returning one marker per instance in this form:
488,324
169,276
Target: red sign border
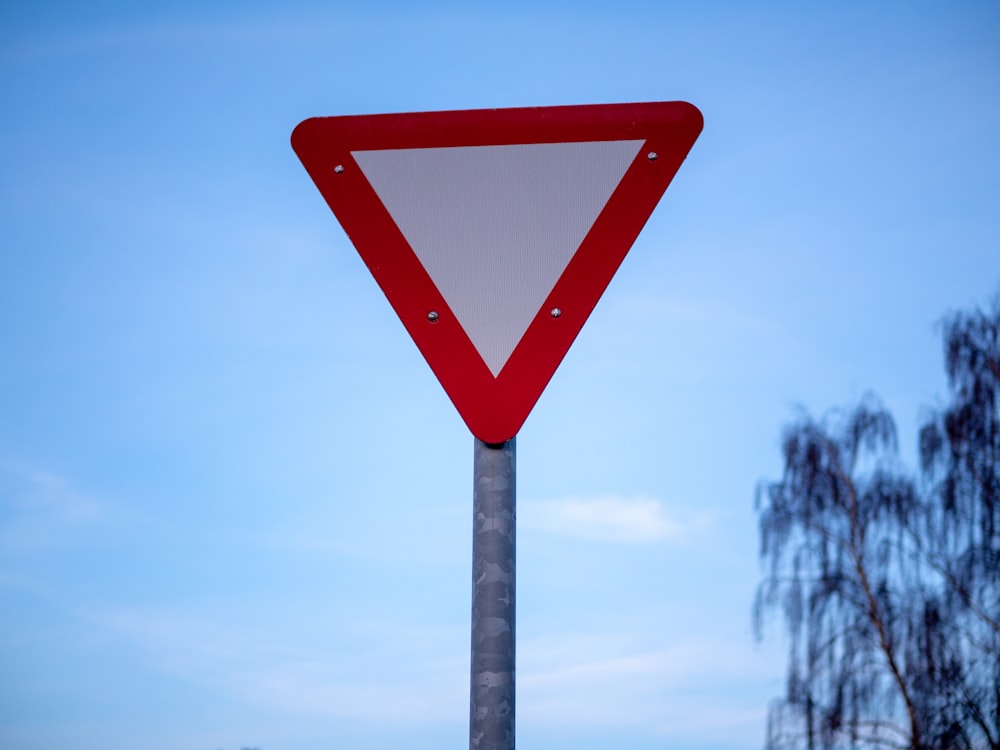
495,408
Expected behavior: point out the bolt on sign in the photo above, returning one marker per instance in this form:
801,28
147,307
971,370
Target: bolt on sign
493,233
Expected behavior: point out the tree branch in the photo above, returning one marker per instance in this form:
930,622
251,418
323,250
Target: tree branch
874,615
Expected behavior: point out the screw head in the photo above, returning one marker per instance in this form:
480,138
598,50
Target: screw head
652,156
432,316
339,168
556,312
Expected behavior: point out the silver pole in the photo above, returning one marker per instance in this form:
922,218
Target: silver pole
491,710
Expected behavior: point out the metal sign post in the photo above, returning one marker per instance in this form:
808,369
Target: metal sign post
491,709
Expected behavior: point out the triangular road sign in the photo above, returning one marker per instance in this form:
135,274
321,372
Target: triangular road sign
493,233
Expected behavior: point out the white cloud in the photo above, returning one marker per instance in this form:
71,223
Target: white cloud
621,665
304,673
43,509
608,518
47,493
676,691
403,674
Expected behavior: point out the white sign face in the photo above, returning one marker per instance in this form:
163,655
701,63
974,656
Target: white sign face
496,226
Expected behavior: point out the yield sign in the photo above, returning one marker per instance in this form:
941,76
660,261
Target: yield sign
493,233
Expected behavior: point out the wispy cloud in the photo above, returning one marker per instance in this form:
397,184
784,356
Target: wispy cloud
39,507
610,681
617,661
609,518
401,674
271,665
54,495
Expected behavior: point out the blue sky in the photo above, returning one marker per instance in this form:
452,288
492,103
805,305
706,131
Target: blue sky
235,504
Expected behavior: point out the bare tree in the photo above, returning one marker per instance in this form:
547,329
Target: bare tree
889,584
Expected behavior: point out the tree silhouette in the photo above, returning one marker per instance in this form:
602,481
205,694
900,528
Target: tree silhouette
889,583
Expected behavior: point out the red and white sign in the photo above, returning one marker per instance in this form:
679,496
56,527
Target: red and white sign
493,233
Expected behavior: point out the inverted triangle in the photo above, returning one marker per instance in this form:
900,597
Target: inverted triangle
496,226
493,233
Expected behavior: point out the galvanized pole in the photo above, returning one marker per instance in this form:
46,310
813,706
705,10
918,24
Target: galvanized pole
491,714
